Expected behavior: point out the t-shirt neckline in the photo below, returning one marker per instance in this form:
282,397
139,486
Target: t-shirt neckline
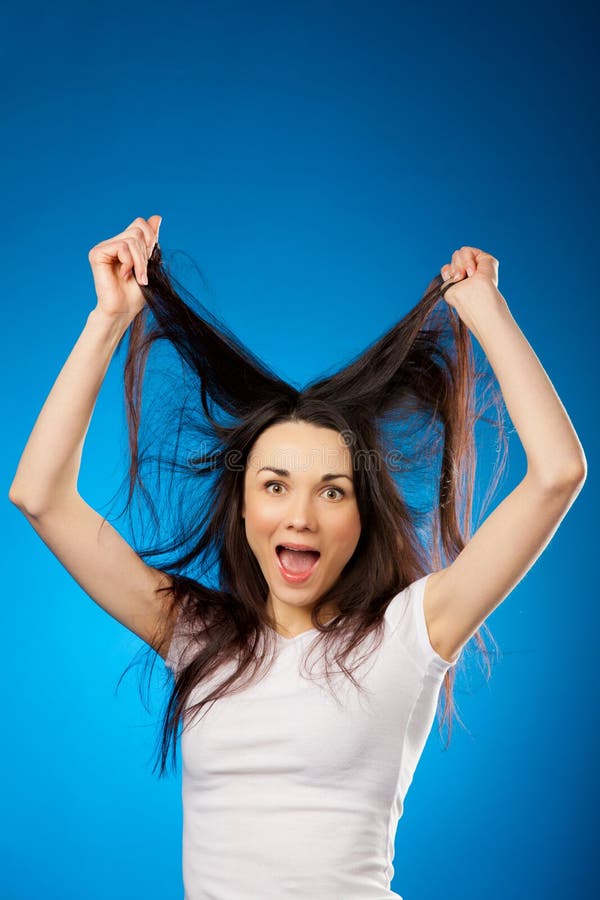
295,637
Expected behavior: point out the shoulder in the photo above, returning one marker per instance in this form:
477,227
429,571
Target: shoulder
412,617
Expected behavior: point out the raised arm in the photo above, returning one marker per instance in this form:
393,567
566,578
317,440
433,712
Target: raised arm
45,484
459,597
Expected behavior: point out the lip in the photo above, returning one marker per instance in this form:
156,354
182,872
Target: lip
296,577
296,546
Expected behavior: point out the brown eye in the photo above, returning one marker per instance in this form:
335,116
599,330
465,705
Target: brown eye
273,483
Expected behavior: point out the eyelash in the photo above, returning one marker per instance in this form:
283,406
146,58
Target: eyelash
331,488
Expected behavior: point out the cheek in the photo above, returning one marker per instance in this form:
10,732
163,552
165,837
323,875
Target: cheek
260,516
346,532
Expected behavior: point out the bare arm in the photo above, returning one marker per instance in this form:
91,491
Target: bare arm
461,596
552,448
49,466
45,485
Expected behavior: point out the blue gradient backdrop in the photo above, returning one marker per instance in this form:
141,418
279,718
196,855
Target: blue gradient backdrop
320,162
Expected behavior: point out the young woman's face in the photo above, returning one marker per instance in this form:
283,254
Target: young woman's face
301,507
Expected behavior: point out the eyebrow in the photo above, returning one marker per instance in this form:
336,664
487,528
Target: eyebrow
283,473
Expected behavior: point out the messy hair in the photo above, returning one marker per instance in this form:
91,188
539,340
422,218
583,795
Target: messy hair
406,408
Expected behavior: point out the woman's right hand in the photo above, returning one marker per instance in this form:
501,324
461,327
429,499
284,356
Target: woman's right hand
113,265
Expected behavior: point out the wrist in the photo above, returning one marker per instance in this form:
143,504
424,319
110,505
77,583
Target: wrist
109,326
483,310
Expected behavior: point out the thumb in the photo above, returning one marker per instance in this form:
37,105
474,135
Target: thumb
155,222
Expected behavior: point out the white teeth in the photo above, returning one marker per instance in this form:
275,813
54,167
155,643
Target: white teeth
295,549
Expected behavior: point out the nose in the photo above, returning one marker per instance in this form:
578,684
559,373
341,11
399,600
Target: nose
300,513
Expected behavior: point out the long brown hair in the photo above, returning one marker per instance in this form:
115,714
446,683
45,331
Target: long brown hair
407,409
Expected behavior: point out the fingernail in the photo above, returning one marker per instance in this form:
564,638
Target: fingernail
470,271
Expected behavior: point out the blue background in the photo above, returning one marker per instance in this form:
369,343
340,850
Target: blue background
320,161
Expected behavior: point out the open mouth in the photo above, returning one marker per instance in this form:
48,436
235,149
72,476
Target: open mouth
296,565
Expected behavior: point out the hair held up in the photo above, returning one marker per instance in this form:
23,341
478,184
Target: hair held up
406,407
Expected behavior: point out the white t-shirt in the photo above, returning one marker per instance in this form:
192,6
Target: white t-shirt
290,795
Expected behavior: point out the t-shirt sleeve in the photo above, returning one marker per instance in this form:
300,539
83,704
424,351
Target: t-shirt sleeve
406,614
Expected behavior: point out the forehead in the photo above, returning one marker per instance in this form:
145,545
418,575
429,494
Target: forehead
299,446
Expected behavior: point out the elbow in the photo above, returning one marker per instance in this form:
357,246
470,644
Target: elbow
34,507
576,474
14,497
570,478
18,500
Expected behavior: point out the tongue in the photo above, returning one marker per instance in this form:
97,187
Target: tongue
297,560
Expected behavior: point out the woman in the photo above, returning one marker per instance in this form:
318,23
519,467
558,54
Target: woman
337,517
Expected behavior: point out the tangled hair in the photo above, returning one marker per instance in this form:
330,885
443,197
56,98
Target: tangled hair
405,407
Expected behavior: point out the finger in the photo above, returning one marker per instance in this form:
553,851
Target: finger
467,262
144,231
477,259
451,271
117,248
131,252
464,262
125,257
139,252
458,270
155,223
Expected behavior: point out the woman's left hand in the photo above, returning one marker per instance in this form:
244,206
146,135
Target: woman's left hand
473,279
470,269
